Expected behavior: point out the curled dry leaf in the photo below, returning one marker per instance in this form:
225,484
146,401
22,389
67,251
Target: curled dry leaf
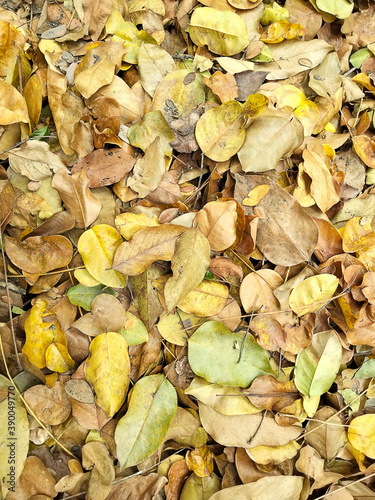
268,393
146,246
39,254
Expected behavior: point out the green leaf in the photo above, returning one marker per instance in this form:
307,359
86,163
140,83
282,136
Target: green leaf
40,132
140,432
134,330
338,8
83,296
209,276
367,370
318,365
359,57
214,354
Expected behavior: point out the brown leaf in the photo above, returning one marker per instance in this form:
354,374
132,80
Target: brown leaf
77,197
39,254
269,394
105,166
51,406
27,486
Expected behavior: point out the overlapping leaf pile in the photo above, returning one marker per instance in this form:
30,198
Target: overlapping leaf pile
188,274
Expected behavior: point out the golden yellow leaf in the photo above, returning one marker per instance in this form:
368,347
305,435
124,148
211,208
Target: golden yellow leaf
219,131
207,299
265,455
282,30
97,247
128,223
108,370
58,358
13,107
255,195
308,114
361,434
313,293
224,33
200,461
41,334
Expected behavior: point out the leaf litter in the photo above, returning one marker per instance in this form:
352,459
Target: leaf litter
188,245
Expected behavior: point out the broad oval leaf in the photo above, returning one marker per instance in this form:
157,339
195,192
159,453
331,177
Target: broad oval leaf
219,132
207,299
224,33
226,358
97,247
313,293
317,366
361,434
152,406
108,370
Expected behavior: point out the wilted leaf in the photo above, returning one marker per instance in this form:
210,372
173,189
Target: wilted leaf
97,247
105,166
107,314
39,254
128,223
189,264
200,488
35,161
271,136
154,64
226,358
146,246
153,399
200,461
175,328
317,366
77,197
134,330
108,369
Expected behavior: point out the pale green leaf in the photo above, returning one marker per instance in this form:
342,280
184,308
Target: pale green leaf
152,406
226,358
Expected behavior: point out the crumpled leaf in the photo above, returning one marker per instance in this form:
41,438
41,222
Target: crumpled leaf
153,399
108,369
146,246
222,357
35,161
39,254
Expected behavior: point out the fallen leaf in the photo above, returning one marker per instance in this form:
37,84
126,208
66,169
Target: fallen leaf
313,293
153,399
107,369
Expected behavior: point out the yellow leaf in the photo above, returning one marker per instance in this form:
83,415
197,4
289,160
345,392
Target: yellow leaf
189,264
282,30
85,278
361,434
97,247
173,327
217,221
289,95
274,455
308,114
355,231
128,224
254,105
108,370
313,293
207,299
255,195
224,33
219,131
200,461
13,108
41,334
58,358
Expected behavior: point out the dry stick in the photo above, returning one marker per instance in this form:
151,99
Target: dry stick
9,301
